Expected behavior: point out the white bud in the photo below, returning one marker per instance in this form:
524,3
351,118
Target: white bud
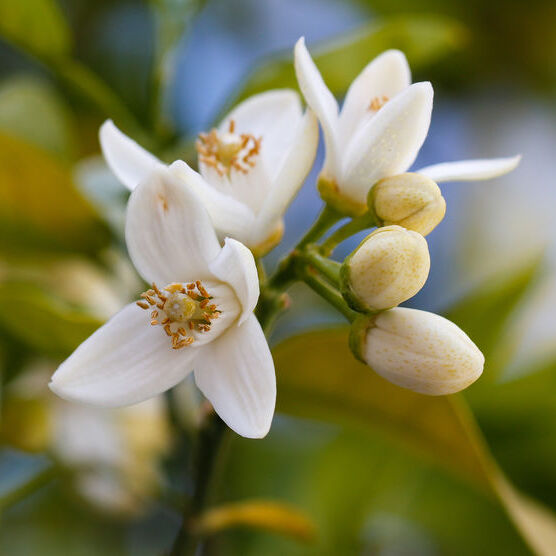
410,200
418,350
388,267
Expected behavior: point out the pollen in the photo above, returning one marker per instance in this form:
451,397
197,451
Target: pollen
228,151
378,102
180,309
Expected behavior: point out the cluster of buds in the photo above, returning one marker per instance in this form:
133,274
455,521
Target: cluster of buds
413,349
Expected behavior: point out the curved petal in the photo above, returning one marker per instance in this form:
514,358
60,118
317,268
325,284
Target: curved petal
130,162
289,180
471,170
236,374
320,100
229,216
235,266
382,79
274,116
169,235
389,142
124,362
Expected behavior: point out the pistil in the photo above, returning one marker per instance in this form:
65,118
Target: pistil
180,309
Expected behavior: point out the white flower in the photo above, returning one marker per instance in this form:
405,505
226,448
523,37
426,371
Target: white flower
198,314
420,351
112,454
251,166
383,123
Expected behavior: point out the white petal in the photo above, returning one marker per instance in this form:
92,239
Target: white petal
386,76
169,235
236,374
229,216
471,170
235,266
289,180
124,362
130,162
274,116
321,101
389,142
252,187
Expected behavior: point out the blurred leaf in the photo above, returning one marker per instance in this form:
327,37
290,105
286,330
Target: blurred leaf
318,377
40,208
485,311
51,525
37,26
518,417
536,523
269,515
172,18
30,109
423,38
43,322
366,493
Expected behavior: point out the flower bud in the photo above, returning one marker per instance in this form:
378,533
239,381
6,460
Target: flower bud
409,200
388,267
418,350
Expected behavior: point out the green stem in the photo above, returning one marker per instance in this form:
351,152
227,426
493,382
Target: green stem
209,442
327,268
286,271
27,488
330,294
367,220
325,220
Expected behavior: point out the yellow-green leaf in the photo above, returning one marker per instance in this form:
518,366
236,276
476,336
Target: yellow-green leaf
485,311
31,110
269,515
319,378
40,207
41,321
37,26
423,38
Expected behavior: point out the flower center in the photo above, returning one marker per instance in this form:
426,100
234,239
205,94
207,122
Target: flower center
228,151
378,102
180,309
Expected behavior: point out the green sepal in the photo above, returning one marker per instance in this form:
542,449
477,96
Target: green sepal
358,335
331,195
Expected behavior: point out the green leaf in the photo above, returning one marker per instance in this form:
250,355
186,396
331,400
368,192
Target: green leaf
319,378
366,494
42,321
485,312
40,208
37,26
423,38
31,110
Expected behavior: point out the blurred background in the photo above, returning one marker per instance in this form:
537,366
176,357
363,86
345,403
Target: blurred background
361,466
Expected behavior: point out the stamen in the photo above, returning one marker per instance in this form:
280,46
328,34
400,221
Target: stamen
186,305
228,151
378,102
